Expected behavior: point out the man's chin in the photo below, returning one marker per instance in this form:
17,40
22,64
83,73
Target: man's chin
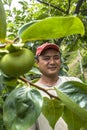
52,74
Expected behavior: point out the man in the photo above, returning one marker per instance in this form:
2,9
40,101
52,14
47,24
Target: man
49,61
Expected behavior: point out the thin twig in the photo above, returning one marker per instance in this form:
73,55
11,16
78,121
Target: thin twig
67,12
16,39
32,84
78,6
52,6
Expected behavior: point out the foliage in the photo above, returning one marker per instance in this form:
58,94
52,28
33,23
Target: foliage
55,27
73,95
18,22
2,22
24,104
52,110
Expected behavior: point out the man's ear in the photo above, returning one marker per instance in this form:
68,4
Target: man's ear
36,60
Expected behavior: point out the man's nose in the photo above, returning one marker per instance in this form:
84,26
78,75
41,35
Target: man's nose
52,61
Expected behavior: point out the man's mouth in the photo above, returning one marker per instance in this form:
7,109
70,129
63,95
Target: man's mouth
52,68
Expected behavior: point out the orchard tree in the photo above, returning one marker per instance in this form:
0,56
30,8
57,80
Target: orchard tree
39,9
22,31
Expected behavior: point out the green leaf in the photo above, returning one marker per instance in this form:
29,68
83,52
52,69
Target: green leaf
52,110
22,108
25,26
73,121
10,82
74,96
53,27
2,22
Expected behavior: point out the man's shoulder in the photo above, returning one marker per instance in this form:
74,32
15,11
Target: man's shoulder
63,79
67,78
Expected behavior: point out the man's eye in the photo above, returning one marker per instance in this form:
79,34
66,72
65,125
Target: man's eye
46,58
56,57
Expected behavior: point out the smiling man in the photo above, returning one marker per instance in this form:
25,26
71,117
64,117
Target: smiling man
48,60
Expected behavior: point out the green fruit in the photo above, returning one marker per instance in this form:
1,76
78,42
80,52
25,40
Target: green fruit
17,63
2,22
13,47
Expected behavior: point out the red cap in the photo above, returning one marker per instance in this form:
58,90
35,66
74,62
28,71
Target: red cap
45,46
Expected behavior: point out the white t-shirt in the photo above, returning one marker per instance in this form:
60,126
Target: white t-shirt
43,123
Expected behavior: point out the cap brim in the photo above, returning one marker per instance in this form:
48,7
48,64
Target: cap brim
45,47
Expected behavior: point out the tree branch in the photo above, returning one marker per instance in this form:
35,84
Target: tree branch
58,41
67,11
32,84
52,6
79,4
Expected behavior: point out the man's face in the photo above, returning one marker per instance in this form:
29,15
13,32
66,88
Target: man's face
49,62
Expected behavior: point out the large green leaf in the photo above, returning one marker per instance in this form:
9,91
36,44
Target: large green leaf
52,110
74,96
73,121
21,108
25,26
53,27
2,22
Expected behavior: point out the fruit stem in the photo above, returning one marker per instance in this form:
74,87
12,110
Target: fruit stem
7,41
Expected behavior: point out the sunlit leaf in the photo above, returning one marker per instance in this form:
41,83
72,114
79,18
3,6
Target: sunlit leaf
53,27
25,26
2,22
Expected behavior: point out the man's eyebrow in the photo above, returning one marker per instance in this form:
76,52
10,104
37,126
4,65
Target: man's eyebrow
51,55
44,56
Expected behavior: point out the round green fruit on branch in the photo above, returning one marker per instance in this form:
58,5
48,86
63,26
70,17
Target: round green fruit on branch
17,63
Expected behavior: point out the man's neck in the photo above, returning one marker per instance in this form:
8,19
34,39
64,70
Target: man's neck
49,81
